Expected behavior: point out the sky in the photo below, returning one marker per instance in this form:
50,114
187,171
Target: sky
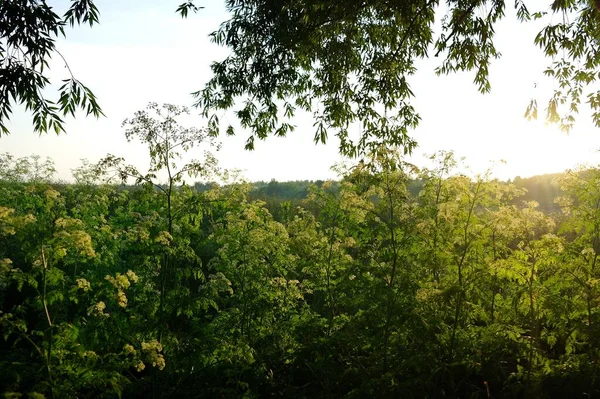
142,51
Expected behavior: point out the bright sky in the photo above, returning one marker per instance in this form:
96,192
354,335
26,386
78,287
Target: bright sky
142,51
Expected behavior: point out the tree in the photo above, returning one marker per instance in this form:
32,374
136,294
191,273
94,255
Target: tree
347,63
167,141
351,62
28,33
581,208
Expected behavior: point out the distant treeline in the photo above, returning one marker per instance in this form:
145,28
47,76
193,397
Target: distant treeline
543,189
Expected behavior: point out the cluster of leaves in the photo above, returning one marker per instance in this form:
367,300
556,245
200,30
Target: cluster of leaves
350,63
28,33
29,30
459,290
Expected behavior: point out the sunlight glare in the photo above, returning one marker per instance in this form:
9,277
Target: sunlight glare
539,148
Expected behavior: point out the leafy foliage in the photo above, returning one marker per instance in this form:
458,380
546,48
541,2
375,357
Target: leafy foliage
350,63
28,33
459,289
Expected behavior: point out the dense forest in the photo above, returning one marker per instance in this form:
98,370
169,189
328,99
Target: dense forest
461,286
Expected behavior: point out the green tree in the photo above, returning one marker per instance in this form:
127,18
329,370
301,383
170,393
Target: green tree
580,205
167,141
345,63
157,232
46,254
351,63
28,33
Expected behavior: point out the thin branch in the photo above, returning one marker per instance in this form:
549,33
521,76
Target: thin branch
44,289
66,64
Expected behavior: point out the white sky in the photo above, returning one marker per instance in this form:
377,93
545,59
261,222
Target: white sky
142,51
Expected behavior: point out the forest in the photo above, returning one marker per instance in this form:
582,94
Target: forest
393,281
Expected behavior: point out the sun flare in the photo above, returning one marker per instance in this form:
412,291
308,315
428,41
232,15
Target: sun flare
540,148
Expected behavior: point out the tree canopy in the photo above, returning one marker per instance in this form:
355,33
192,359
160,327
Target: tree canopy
348,63
29,30
351,62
